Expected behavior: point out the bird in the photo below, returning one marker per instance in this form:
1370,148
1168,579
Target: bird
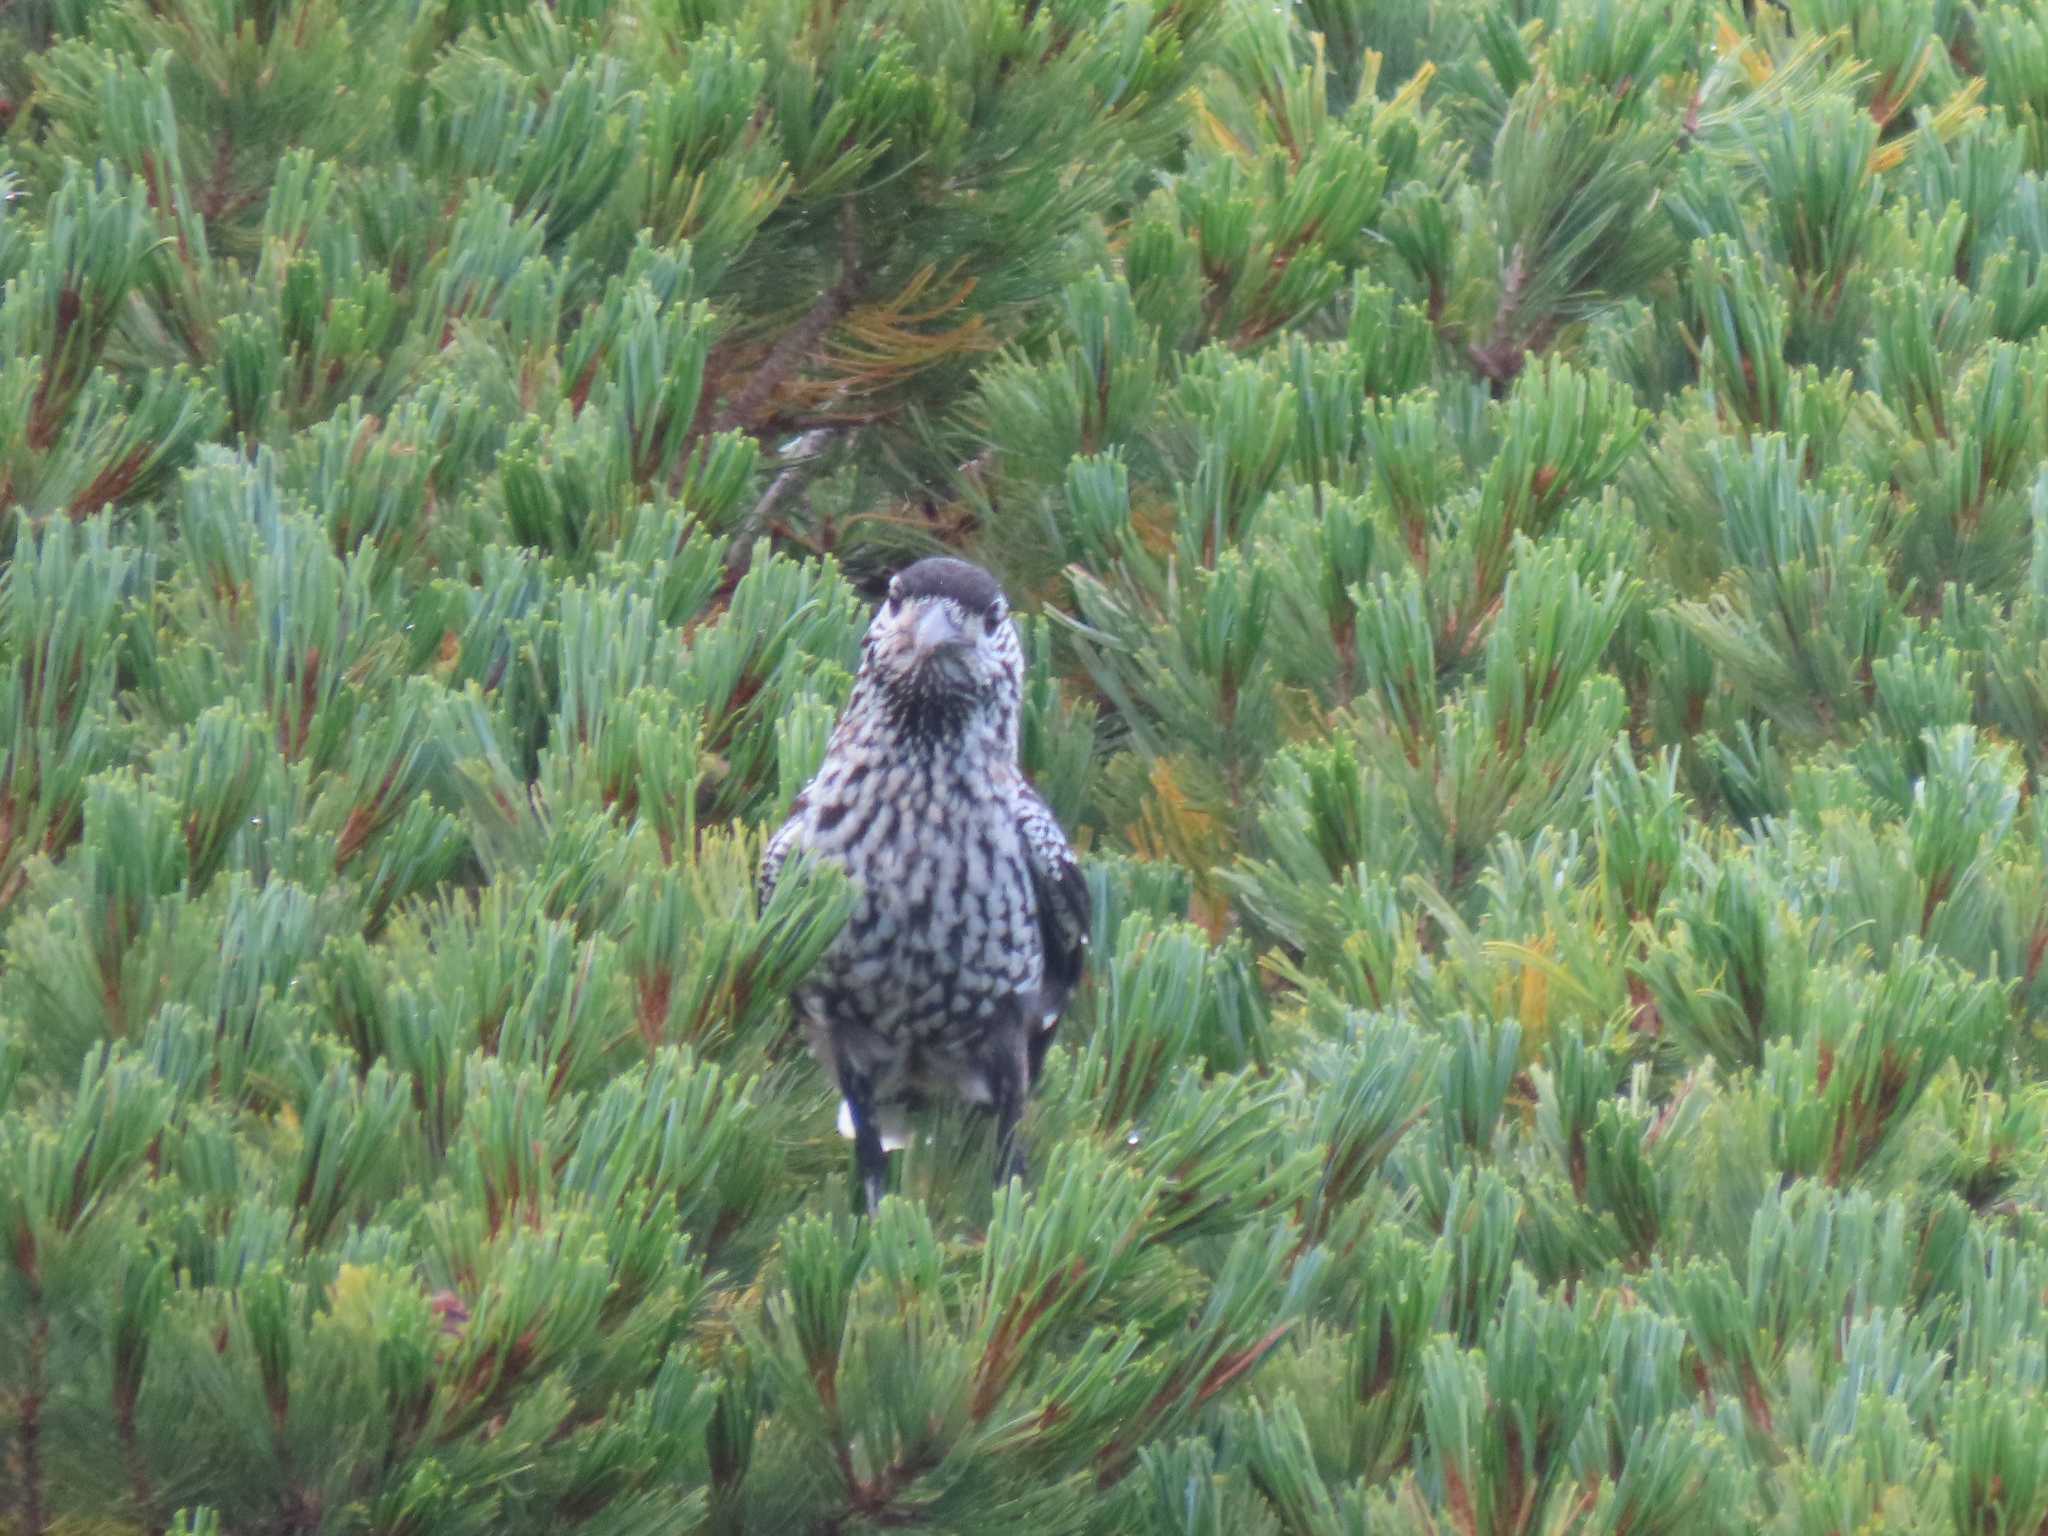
970,927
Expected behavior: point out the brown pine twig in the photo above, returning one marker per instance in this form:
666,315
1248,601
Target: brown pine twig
800,340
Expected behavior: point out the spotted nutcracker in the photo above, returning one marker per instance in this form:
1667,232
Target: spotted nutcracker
972,920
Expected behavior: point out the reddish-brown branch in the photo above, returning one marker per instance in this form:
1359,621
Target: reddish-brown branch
651,1004
1116,1459
110,485
874,1502
1645,1018
140,1486
1500,360
29,1431
999,1364
54,392
2037,947
214,201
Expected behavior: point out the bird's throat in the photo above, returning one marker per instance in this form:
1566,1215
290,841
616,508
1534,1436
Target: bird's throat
930,718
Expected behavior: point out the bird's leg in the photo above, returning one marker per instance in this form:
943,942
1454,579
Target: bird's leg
873,1165
1006,1080
869,1160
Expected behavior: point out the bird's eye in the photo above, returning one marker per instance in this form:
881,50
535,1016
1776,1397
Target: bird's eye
994,617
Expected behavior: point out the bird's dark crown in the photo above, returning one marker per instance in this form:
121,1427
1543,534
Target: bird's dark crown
942,576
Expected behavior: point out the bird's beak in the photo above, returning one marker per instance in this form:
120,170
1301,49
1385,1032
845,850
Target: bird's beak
936,630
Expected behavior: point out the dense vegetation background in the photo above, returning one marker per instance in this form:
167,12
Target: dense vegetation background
1535,522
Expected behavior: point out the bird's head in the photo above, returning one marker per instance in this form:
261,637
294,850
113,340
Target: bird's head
942,650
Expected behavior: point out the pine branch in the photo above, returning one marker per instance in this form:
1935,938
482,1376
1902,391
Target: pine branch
1510,342
29,1413
798,461
797,345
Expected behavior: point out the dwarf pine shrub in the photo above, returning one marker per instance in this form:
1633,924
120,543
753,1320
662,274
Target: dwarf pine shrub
1532,522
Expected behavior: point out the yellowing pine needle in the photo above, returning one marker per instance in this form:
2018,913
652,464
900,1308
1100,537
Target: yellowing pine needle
351,1281
881,342
1956,114
1227,141
1537,962
1896,95
1533,1005
1410,95
1171,826
1755,63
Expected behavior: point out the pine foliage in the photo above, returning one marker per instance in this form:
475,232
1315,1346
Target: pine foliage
1533,524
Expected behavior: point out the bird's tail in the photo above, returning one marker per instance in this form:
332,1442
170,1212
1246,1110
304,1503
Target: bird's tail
894,1129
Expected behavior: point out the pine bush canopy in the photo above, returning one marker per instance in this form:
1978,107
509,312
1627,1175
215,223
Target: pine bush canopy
1532,522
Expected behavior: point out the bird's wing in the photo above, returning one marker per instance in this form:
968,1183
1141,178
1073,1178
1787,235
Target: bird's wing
776,854
1063,913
